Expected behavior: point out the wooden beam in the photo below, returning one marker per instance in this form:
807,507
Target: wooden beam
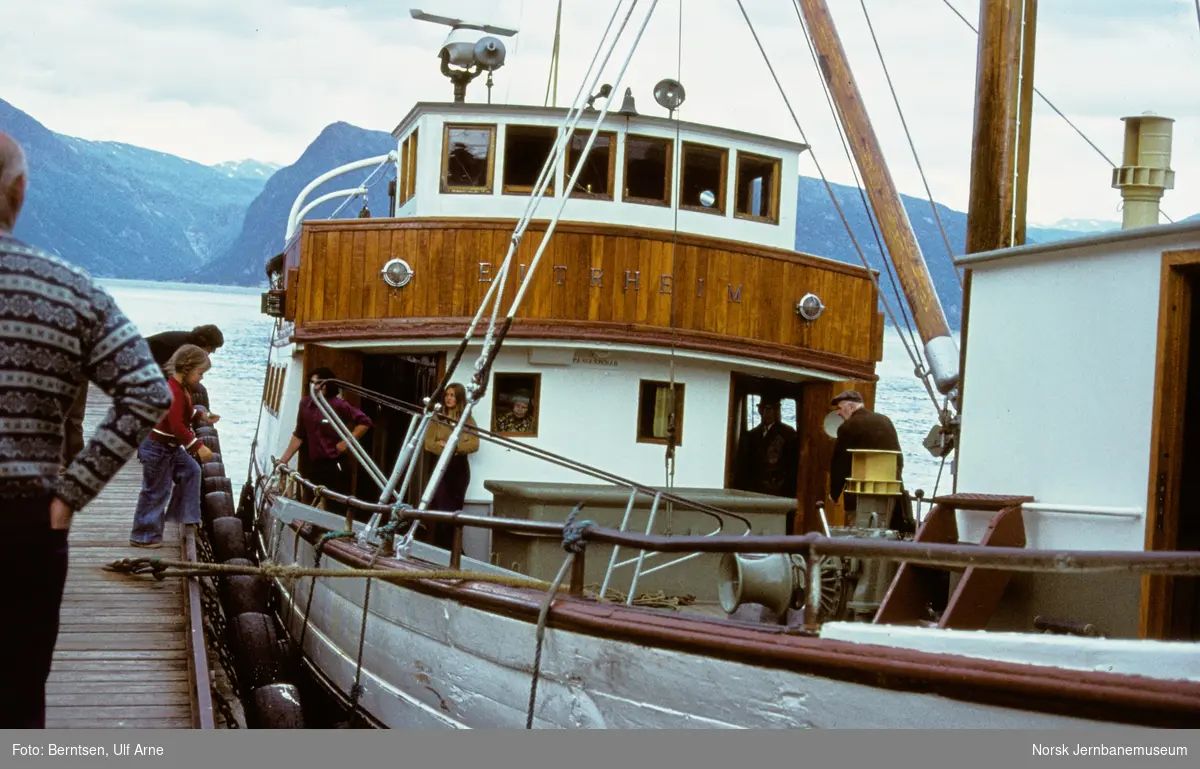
885,200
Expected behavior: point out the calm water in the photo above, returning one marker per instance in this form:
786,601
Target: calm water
236,379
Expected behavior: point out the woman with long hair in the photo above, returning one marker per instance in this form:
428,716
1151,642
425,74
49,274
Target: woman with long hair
170,455
452,491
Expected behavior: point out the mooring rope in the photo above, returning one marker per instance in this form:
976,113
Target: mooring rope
574,544
161,568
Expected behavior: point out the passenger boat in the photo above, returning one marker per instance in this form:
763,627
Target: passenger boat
633,276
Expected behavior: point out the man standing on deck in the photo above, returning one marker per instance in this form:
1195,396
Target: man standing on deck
865,429
328,460
58,331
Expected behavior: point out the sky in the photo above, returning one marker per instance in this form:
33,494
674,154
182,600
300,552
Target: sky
233,79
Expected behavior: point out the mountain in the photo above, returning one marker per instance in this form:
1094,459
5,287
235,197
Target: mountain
247,169
262,232
122,211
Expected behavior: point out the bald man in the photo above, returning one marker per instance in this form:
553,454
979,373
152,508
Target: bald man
58,331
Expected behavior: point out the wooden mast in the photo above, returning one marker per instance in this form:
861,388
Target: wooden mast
1000,140
940,349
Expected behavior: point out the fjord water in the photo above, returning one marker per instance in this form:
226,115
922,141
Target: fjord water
235,380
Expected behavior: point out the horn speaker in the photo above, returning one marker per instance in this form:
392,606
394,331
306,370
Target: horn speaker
771,580
489,53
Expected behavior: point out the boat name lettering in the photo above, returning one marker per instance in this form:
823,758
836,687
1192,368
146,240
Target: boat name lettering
593,361
633,278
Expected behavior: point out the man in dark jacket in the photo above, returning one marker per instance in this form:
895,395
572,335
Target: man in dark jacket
865,429
162,346
768,457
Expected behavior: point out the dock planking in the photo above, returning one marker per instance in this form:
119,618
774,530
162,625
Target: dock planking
122,656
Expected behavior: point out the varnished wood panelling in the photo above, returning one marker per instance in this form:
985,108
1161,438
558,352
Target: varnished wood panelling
587,274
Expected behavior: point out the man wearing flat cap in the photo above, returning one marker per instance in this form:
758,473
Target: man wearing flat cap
862,428
768,456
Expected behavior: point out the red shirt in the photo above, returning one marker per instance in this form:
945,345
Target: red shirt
178,419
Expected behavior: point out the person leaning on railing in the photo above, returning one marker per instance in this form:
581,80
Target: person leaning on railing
171,455
61,331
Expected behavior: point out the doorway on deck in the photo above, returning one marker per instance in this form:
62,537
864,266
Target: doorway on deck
746,394
407,378
1171,605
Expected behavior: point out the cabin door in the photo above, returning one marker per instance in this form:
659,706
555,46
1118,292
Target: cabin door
1171,605
746,392
409,379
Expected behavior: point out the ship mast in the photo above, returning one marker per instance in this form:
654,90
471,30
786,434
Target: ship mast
941,351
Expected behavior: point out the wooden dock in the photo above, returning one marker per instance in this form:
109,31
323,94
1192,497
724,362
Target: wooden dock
130,648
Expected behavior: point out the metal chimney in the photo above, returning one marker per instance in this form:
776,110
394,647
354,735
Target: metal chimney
1145,173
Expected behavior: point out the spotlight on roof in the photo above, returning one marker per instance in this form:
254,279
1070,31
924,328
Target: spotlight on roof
468,51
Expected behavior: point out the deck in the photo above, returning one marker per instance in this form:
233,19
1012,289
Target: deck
124,656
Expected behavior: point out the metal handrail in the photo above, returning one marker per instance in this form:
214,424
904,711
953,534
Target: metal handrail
816,544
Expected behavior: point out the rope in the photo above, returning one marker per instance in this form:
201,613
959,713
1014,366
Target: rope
574,545
1050,104
912,146
161,568
841,213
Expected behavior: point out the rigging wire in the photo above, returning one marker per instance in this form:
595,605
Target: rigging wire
672,426
1050,104
911,144
859,187
845,222
552,78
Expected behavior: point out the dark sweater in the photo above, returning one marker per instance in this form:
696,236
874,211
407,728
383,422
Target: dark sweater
865,429
58,331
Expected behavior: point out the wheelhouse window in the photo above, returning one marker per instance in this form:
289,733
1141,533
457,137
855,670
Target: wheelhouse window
468,158
757,188
526,149
595,181
655,401
702,187
515,404
647,170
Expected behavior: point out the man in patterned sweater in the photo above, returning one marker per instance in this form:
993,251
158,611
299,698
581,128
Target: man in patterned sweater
58,331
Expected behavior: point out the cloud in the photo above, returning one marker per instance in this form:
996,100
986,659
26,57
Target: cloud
224,79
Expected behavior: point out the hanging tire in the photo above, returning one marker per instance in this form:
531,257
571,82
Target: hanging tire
211,441
216,505
275,706
228,538
245,508
212,468
242,593
216,483
203,430
257,654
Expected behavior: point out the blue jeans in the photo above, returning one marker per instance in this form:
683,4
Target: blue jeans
165,469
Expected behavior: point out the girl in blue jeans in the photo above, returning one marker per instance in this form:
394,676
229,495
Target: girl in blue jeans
169,455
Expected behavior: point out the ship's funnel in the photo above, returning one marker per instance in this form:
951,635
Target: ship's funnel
1145,171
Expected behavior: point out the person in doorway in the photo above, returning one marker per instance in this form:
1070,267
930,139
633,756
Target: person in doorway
171,456
328,457
518,420
769,455
863,428
62,331
451,492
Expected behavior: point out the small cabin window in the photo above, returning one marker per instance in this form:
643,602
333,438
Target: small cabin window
647,170
468,158
654,411
596,179
515,404
757,187
408,170
526,149
702,187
